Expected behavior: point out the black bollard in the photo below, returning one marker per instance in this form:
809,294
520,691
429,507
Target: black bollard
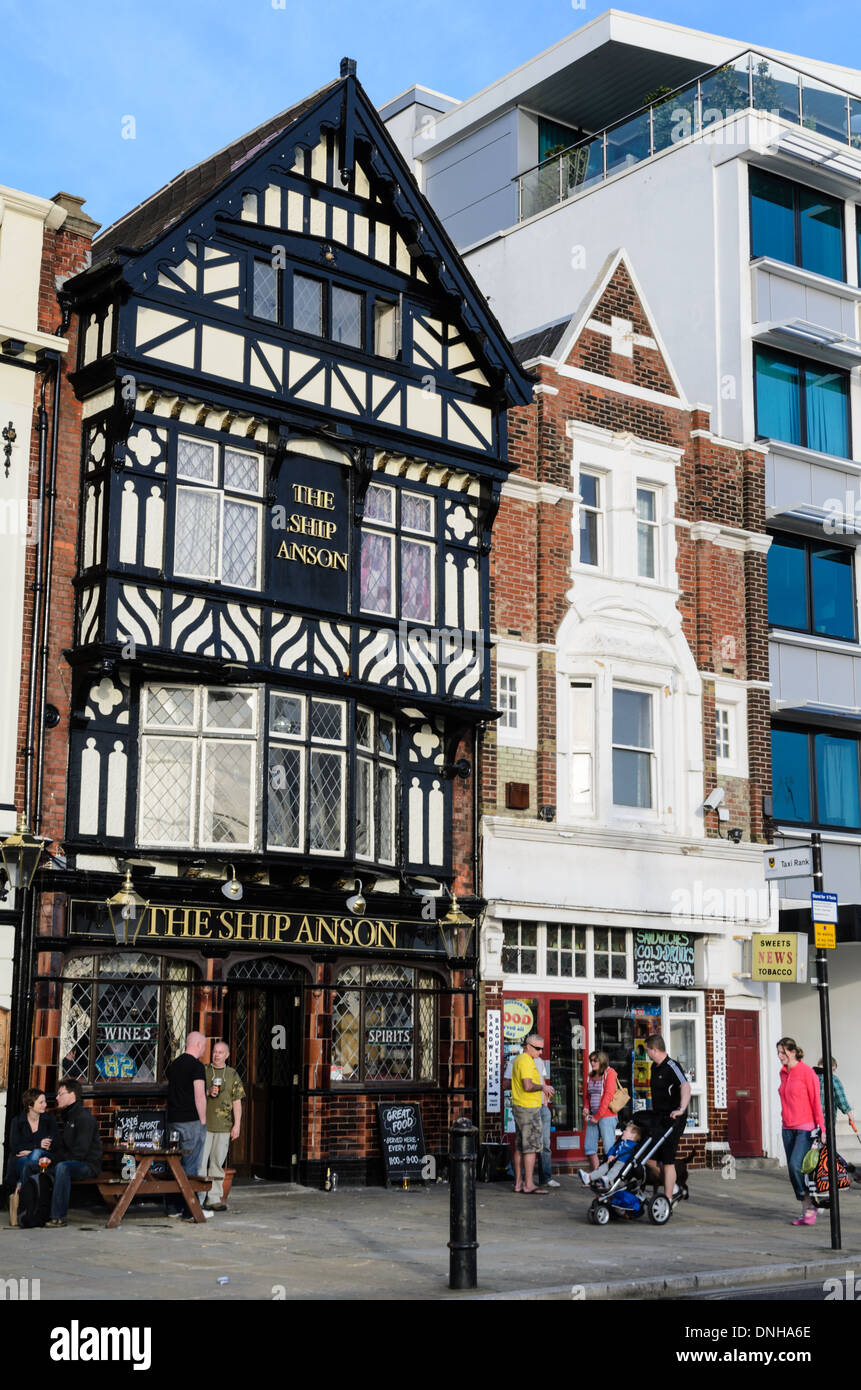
463,1261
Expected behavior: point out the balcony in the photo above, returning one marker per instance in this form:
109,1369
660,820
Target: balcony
750,82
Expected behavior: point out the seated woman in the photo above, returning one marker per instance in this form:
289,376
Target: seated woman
31,1136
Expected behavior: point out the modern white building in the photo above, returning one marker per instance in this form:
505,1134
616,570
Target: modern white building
732,177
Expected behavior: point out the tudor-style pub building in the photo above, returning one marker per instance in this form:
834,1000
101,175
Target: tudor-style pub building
294,441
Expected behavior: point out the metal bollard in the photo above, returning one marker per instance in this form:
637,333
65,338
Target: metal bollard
463,1261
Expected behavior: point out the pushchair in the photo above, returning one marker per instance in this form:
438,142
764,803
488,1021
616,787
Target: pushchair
625,1197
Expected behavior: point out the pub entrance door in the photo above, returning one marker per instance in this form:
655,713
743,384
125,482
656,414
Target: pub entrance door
263,1025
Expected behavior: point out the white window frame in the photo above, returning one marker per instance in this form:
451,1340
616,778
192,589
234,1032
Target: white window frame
642,485
599,512
581,807
619,809
198,736
731,696
521,663
397,535
240,496
516,681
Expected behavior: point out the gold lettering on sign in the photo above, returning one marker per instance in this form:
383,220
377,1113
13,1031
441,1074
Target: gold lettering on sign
307,496
249,925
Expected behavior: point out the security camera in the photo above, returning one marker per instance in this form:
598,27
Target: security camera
735,834
713,800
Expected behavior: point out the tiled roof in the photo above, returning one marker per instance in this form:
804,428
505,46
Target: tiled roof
540,344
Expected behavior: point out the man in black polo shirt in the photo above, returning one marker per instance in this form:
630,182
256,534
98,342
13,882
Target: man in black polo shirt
186,1112
671,1092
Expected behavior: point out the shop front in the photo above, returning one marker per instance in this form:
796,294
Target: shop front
599,989
326,1014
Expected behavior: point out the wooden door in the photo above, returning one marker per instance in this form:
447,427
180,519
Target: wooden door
264,1032
744,1118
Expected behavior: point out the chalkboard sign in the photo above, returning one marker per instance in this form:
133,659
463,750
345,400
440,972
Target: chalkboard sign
146,1128
664,958
402,1139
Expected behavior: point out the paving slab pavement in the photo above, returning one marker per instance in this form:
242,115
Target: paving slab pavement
292,1243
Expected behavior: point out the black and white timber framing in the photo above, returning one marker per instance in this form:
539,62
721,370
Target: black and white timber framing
278,336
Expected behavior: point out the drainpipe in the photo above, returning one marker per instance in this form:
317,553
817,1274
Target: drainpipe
46,594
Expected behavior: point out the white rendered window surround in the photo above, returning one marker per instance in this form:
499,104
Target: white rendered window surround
731,728
517,667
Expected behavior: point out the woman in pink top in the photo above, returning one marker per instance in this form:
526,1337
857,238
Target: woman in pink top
600,1121
802,1113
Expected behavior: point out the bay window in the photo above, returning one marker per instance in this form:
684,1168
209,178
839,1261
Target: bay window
218,523
331,773
198,760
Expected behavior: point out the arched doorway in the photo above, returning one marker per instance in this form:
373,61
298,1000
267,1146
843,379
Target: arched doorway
263,1025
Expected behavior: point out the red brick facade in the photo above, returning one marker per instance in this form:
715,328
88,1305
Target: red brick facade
720,547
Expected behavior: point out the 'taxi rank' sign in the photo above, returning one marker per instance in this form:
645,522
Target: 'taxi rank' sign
781,957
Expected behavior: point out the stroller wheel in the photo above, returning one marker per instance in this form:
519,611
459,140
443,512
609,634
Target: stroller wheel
660,1209
600,1214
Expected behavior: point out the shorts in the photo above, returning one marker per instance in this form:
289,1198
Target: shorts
668,1150
529,1129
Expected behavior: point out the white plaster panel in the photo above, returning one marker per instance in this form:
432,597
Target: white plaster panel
795,679
424,411
222,353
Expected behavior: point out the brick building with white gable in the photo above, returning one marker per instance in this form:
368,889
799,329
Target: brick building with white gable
629,622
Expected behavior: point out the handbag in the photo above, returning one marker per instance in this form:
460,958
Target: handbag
619,1099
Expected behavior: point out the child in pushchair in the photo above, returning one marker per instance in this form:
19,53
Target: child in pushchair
606,1173
625,1181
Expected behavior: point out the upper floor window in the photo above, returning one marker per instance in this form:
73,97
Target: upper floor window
591,538
802,402
327,310
511,700
724,731
265,291
328,790
633,748
567,952
811,587
217,533
397,566
815,778
796,224
647,532
198,760
582,745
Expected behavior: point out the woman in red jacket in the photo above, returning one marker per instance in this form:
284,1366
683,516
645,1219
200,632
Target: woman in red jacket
601,1086
802,1113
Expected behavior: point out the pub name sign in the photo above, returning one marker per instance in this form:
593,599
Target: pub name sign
256,926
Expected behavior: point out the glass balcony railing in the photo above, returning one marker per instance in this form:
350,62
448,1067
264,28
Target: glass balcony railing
750,82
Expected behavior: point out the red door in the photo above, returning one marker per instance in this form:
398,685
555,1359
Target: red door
744,1119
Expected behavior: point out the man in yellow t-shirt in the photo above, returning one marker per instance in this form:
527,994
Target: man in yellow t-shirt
527,1092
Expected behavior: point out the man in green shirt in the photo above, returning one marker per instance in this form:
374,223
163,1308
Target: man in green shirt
224,1093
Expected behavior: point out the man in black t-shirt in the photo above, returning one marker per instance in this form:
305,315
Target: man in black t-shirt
671,1094
186,1113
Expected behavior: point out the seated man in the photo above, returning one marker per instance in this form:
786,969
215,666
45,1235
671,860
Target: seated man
78,1151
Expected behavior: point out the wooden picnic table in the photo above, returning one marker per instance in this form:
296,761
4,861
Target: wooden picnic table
122,1191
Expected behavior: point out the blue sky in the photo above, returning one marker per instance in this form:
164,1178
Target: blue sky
195,74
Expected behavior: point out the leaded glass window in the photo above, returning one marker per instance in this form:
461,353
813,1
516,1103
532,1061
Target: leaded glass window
217,535
265,291
393,562
198,786
310,774
124,1016
384,1025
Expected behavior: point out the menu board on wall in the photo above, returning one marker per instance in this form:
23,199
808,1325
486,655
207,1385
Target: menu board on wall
493,1045
664,959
